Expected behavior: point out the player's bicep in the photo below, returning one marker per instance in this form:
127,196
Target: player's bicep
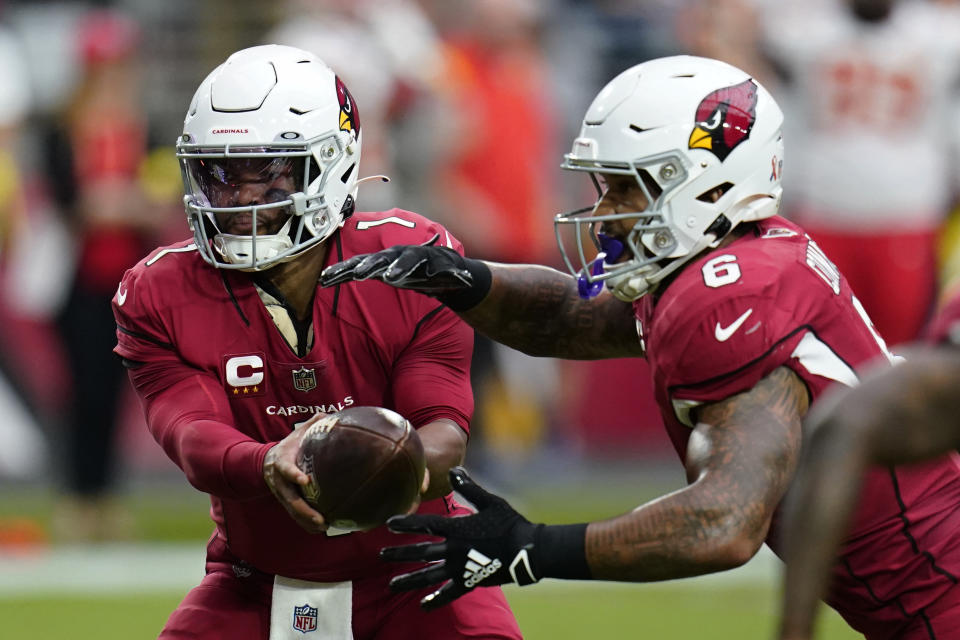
745,448
431,377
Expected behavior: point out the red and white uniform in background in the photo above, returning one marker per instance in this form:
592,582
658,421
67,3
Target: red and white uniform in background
871,121
771,299
220,386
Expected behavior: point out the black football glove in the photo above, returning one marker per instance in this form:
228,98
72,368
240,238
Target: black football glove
422,267
494,546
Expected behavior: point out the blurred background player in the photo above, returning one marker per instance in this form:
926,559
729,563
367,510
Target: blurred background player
232,347
744,321
866,91
94,155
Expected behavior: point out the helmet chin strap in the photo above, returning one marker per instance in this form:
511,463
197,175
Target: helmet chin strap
630,286
237,249
636,284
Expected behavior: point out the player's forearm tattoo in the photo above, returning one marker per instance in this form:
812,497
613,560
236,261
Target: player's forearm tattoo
740,459
537,310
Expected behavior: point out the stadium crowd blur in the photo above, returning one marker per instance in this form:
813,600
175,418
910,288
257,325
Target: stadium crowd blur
468,105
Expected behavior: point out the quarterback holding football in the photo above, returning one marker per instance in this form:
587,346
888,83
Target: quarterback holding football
232,347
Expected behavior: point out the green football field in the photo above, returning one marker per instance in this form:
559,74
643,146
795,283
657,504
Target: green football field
125,591
544,611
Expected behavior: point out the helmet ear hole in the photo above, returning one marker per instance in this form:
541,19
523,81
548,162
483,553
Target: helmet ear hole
720,227
346,174
715,193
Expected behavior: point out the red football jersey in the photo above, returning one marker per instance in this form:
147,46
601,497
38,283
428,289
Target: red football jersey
221,385
769,299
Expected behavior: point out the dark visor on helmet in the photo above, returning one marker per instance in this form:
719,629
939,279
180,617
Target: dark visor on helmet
223,180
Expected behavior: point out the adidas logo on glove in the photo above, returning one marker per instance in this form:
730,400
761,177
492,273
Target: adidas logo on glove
478,568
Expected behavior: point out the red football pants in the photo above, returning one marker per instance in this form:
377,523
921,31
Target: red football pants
227,607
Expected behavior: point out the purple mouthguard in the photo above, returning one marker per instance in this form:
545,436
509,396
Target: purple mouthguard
610,250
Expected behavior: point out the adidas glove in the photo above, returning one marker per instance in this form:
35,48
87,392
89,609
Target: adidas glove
494,546
456,281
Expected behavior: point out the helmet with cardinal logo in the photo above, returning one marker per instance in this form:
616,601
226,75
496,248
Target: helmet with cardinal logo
279,117
703,140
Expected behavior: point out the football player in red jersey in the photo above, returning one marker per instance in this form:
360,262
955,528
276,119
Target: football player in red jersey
231,345
745,323
897,415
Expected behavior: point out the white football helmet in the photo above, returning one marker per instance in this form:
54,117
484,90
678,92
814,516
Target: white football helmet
685,128
278,117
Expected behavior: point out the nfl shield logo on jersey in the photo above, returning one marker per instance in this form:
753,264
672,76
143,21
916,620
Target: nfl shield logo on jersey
304,379
305,618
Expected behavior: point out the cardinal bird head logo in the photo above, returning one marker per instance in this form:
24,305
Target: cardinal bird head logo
349,115
725,118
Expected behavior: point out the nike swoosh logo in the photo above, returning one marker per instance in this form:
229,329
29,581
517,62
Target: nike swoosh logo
722,334
121,297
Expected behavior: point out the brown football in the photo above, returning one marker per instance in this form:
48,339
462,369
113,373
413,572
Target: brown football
365,465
